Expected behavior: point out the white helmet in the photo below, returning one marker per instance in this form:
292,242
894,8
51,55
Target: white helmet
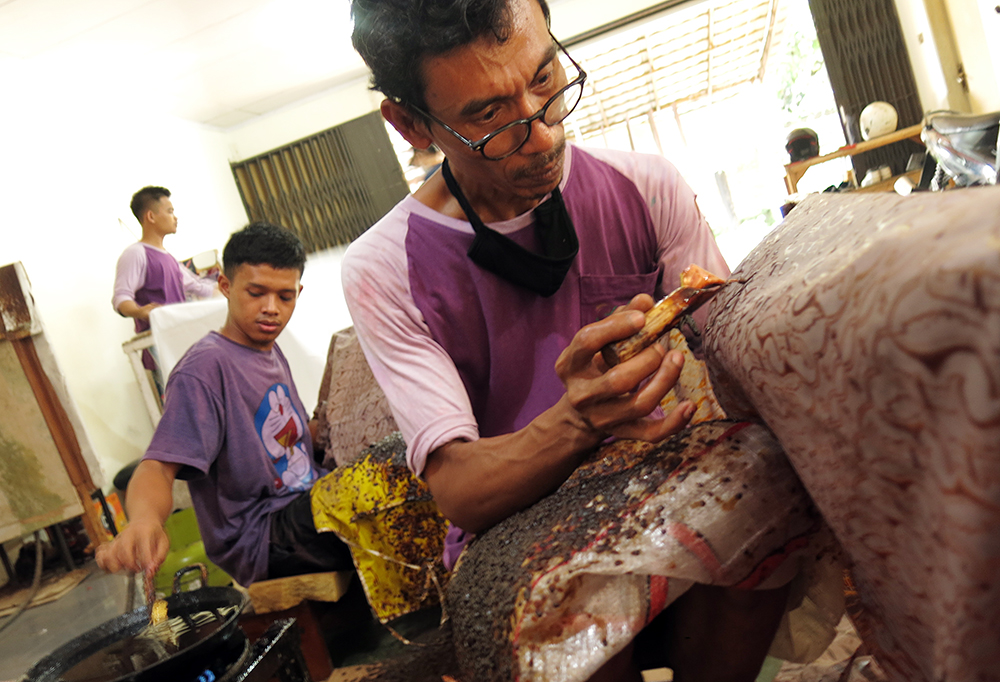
878,118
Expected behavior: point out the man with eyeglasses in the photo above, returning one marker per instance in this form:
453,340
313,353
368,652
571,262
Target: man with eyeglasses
482,299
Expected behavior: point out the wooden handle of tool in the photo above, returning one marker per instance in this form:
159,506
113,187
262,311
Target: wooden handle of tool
697,286
658,320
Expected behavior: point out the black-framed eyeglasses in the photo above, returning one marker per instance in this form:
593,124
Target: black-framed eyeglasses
507,139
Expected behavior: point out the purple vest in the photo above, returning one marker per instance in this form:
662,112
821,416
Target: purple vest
503,339
163,283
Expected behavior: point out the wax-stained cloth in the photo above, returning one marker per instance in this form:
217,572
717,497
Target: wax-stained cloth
386,516
867,336
352,411
553,592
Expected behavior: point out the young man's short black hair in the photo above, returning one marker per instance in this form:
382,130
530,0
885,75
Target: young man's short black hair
262,243
394,37
144,199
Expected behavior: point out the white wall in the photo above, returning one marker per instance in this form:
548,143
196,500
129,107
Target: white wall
989,13
977,34
72,155
304,118
942,34
933,55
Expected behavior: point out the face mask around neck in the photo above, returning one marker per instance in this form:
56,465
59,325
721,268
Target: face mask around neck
541,273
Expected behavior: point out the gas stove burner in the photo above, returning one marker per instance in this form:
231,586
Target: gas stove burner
205,644
229,660
151,655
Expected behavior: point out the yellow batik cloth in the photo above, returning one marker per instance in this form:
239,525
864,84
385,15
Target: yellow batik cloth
395,531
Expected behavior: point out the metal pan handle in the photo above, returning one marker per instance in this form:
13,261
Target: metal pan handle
190,567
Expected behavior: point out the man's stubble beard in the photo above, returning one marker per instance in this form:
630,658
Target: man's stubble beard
540,162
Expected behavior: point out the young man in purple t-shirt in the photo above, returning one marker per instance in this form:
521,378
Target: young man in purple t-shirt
234,427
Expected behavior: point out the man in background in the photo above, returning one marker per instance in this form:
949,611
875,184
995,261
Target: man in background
147,276
428,160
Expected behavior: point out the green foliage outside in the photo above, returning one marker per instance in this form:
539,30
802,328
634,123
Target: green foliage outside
800,63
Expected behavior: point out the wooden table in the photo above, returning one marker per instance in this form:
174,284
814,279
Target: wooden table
795,171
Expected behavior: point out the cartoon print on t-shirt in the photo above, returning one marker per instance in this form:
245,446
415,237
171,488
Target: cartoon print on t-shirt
280,429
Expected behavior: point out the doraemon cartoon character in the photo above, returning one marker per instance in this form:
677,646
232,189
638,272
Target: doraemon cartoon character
280,428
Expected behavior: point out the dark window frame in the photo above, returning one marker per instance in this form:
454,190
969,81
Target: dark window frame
328,188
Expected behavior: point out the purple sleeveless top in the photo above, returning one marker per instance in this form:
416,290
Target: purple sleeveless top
163,283
503,339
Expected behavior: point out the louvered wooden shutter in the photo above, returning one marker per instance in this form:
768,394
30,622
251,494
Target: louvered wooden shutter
328,188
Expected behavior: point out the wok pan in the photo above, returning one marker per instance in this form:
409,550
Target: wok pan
112,652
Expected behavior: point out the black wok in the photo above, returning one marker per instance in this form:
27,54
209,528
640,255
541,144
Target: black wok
217,607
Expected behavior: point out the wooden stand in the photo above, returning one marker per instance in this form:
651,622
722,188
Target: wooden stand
47,477
297,597
133,349
795,171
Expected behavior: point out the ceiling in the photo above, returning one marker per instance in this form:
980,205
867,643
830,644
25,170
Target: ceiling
685,59
225,62
218,62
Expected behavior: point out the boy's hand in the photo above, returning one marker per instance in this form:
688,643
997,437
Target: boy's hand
132,309
141,546
145,310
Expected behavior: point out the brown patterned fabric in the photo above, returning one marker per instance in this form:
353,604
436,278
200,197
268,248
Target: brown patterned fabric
867,337
352,410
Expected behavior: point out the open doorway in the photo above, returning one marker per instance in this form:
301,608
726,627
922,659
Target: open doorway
715,86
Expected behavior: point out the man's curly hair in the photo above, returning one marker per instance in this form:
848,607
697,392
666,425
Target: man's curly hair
261,243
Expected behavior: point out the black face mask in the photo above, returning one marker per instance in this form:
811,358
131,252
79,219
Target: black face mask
542,273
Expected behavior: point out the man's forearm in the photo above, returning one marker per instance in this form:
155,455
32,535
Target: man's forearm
478,484
143,544
150,495
133,309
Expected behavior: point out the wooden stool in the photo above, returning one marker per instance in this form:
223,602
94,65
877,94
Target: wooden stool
295,597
